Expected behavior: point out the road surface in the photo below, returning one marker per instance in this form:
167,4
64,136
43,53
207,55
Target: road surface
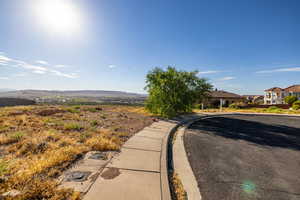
245,157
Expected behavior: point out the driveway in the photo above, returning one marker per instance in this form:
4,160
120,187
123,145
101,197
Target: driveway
245,157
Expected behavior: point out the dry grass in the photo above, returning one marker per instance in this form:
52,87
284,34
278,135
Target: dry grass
38,143
180,193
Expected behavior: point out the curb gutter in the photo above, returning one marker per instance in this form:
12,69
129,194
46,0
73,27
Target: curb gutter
166,155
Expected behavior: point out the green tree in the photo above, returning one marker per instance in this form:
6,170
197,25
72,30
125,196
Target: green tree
172,91
290,99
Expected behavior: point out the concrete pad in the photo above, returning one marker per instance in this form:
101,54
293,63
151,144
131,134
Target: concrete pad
82,186
152,134
87,164
127,185
144,143
93,163
137,160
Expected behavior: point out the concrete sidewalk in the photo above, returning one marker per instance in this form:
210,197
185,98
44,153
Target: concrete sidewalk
139,171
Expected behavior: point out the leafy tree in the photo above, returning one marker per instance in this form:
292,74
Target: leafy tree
172,91
290,99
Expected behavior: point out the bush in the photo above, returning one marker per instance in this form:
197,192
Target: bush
238,105
17,136
273,108
172,92
92,109
73,110
290,99
73,126
94,123
3,167
296,105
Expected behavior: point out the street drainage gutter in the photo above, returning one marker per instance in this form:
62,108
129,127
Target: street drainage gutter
183,184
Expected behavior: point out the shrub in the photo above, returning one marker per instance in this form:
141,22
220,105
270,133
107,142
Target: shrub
101,143
296,105
273,108
3,167
290,99
92,109
11,138
94,123
238,105
76,107
172,91
17,136
73,126
73,110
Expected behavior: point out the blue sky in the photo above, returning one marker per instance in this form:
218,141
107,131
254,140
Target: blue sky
243,46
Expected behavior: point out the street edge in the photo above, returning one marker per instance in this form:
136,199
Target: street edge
167,150
164,173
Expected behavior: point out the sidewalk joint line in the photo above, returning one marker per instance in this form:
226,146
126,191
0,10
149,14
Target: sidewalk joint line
137,170
140,149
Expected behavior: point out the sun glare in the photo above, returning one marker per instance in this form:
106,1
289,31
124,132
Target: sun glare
58,15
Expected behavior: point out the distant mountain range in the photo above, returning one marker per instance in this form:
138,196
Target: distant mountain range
33,94
6,89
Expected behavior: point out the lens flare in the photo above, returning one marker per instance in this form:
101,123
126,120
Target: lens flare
248,187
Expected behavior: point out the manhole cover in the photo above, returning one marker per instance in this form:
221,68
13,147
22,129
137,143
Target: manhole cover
98,156
77,176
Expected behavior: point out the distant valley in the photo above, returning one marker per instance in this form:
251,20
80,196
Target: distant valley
75,96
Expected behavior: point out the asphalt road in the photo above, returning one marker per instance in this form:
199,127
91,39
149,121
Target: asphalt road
240,157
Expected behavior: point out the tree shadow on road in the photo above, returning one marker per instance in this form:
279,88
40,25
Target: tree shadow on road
256,132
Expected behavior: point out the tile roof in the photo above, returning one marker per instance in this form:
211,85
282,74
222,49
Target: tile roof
224,94
274,89
293,88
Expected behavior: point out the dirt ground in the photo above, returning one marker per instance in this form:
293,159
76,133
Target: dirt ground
37,143
242,157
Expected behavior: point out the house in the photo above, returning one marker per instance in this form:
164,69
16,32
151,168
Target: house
220,97
276,95
255,99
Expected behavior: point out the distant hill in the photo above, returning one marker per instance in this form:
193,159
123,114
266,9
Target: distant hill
6,89
15,102
33,94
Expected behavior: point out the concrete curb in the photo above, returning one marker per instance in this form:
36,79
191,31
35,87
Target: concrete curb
165,155
248,113
183,168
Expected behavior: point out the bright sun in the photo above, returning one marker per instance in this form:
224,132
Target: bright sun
58,15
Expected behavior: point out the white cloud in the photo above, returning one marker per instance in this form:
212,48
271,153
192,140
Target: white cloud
36,69
4,78
4,59
208,72
227,78
291,69
38,72
42,62
67,75
33,67
60,66
112,66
